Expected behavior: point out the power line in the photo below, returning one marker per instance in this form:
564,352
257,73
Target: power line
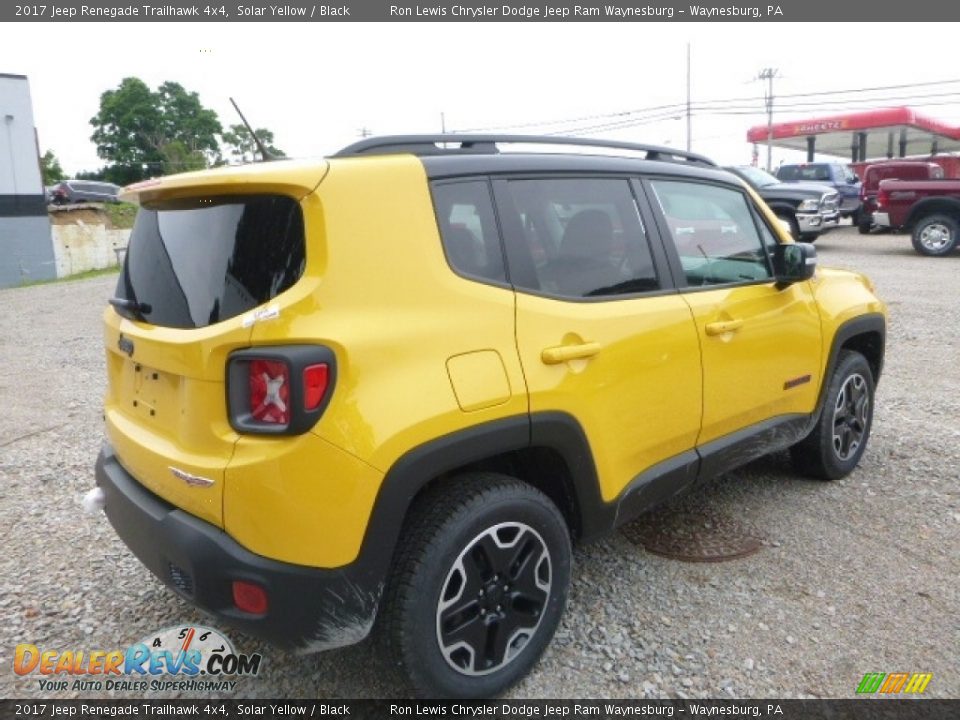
624,114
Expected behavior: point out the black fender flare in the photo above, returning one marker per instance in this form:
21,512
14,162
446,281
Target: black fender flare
861,325
410,473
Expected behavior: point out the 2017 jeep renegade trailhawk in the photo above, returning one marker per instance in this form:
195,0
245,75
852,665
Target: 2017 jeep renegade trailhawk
387,390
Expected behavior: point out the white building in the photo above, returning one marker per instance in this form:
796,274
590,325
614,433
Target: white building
26,249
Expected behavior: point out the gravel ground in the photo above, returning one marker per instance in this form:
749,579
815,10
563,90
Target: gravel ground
855,576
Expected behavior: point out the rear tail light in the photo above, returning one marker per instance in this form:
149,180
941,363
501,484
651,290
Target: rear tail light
882,197
269,391
279,390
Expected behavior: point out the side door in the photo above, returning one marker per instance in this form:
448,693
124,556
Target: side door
760,343
602,334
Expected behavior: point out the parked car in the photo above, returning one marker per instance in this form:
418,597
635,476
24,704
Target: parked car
890,170
837,175
84,191
808,208
396,384
928,209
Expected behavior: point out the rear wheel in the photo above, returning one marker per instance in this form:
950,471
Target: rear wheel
836,444
863,227
478,587
935,235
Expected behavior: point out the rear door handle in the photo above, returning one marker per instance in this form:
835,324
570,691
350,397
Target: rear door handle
563,353
722,327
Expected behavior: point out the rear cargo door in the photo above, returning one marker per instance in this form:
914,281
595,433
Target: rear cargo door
197,271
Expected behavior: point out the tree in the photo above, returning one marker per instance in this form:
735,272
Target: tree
242,147
140,132
50,168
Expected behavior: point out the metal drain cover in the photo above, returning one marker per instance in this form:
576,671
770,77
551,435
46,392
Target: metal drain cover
693,536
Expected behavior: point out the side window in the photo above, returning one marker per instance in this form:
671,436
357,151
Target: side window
468,229
714,231
584,237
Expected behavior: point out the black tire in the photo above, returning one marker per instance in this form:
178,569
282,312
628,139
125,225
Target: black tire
935,235
792,220
468,575
864,228
836,444
809,237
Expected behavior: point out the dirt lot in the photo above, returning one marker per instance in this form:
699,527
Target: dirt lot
853,577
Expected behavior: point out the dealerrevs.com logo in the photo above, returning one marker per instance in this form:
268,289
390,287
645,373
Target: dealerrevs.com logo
180,658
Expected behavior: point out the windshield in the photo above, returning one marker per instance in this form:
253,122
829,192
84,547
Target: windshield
760,178
195,262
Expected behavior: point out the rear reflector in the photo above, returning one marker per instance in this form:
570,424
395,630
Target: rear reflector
270,391
250,597
314,385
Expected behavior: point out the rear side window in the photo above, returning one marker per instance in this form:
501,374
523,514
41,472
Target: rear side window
200,261
584,236
714,231
468,229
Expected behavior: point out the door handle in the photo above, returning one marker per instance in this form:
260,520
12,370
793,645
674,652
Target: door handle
722,327
563,353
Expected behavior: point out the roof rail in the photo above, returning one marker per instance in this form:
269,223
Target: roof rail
453,144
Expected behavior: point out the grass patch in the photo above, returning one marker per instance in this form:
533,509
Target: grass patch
121,214
70,278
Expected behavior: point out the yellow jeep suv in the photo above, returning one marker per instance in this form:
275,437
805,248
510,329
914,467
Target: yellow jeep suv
387,390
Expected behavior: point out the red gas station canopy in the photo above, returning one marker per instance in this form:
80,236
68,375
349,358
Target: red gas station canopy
890,132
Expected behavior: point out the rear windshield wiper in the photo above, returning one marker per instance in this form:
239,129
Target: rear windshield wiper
139,309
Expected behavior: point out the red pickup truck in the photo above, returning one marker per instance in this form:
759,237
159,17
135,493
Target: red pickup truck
929,209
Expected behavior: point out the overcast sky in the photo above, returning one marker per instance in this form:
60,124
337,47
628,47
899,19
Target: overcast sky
317,85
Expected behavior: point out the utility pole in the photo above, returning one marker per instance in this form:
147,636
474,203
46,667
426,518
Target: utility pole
364,132
769,74
688,99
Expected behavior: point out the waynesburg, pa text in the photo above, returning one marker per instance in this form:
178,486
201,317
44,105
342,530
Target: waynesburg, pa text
508,12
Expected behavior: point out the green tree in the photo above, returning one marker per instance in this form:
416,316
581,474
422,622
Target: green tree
177,157
241,146
50,168
141,133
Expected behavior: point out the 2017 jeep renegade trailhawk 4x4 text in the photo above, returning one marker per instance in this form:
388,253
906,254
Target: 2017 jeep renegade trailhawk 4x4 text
388,390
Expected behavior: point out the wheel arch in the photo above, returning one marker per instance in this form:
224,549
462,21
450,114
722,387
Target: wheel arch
933,206
548,451
865,334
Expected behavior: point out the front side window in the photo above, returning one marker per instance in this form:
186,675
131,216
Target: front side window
714,231
584,236
468,229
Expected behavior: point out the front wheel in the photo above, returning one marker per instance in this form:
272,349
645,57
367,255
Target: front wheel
478,587
935,235
836,444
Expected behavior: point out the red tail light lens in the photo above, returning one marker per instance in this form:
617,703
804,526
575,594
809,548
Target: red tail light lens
279,389
269,391
250,597
315,379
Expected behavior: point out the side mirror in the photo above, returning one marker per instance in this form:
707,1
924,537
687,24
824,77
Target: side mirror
794,263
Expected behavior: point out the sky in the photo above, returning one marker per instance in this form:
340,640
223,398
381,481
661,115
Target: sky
318,86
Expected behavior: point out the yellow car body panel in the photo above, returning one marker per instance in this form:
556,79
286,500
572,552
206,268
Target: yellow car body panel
623,394
768,364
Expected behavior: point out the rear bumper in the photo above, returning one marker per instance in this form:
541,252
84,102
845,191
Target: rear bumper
310,609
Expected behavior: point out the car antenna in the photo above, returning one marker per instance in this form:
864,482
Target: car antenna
263,151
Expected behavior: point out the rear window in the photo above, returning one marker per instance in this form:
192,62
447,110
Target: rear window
195,262
804,173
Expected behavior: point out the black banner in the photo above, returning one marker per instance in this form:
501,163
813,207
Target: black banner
864,709
857,11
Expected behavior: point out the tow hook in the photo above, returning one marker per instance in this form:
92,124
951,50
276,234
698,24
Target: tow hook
94,501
